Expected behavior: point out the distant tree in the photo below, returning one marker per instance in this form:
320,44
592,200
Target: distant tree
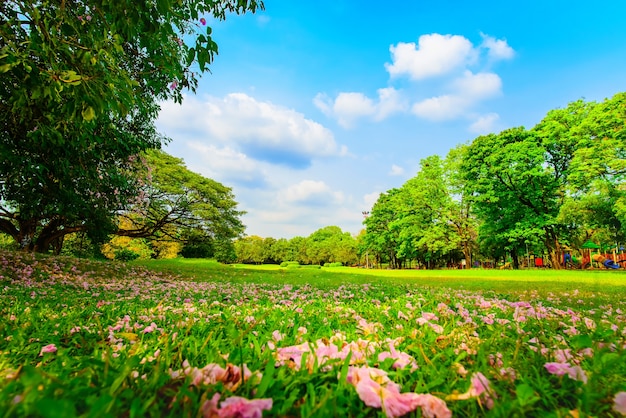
269,255
178,204
383,236
596,195
330,245
249,250
280,250
297,250
460,213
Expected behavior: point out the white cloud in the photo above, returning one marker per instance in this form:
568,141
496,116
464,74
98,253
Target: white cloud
484,124
396,170
226,165
390,101
446,56
370,199
478,86
260,130
311,192
466,91
434,55
440,108
497,49
349,107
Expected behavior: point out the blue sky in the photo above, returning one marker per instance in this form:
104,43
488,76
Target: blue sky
312,109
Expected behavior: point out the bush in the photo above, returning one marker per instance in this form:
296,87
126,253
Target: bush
126,255
290,264
335,264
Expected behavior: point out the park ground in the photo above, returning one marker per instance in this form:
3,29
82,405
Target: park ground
197,338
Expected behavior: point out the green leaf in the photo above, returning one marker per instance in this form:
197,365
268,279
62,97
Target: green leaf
71,77
88,113
525,394
582,341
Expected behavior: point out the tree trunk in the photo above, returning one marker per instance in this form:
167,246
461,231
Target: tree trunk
554,250
515,259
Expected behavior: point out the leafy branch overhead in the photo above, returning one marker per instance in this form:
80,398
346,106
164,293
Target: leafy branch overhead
79,94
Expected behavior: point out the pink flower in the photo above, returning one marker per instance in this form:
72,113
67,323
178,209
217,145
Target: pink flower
376,390
50,348
401,359
619,403
203,21
173,85
432,406
480,388
238,407
560,369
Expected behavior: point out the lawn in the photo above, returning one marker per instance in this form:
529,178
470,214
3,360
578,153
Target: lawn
196,338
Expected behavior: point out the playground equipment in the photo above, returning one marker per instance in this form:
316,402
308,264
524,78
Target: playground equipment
606,262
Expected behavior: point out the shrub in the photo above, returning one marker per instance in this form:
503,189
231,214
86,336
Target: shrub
335,264
126,255
290,264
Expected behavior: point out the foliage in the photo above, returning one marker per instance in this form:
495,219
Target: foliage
178,205
125,254
545,190
329,244
141,247
80,87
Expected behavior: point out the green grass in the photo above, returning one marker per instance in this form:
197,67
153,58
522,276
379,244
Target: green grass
544,280
145,338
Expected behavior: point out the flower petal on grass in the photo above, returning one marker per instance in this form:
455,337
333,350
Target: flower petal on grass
50,348
619,403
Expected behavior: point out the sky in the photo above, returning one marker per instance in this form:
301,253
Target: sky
312,109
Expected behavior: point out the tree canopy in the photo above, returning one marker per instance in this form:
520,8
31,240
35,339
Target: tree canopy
547,189
80,87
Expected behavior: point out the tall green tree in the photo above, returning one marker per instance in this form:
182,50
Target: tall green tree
382,235
460,213
79,93
598,169
424,214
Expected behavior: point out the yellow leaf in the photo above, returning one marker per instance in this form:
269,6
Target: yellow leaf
88,113
131,336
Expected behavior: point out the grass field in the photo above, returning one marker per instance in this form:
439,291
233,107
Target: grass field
196,338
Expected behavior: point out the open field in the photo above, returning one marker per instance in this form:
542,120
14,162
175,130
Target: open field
195,338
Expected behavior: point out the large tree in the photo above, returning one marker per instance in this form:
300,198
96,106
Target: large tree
79,93
178,204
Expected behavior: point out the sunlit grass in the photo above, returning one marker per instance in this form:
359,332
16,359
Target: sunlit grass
130,341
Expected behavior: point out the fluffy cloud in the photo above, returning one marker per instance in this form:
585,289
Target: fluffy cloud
448,57
226,165
497,49
311,192
465,92
478,86
441,107
260,130
433,55
348,107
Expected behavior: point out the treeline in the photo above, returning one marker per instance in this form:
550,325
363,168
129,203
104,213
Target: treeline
544,191
326,245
